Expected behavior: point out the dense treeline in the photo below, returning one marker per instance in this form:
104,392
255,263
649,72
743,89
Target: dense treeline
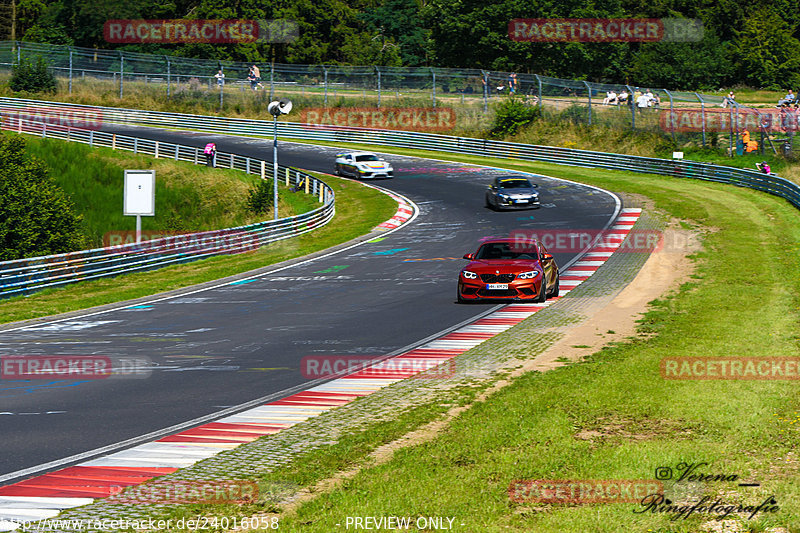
744,43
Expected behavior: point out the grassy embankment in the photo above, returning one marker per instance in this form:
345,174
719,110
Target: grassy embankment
613,416
188,198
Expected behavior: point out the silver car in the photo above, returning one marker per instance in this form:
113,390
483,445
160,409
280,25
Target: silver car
362,165
512,192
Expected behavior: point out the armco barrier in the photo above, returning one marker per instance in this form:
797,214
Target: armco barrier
427,141
30,274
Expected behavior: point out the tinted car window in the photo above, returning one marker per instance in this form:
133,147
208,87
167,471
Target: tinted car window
502,250
515,184
367,158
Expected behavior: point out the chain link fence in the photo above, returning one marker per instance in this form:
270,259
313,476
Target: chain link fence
686,117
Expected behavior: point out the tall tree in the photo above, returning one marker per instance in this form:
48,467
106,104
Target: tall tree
36,216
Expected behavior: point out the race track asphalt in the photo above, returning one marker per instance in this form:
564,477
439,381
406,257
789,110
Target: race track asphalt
235,343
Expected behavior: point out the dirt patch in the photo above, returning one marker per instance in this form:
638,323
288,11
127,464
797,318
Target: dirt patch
664,270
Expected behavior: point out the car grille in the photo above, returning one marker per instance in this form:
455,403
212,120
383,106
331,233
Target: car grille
497,278
497,294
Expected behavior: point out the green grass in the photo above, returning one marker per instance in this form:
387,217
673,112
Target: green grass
743,300
189,197
358,210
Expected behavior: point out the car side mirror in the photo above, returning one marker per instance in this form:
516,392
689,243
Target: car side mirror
535,185
547,257
469,256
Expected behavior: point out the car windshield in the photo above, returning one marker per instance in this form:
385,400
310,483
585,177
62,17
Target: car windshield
369,157
518,183
506,251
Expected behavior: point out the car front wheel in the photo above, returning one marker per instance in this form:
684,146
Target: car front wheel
542,296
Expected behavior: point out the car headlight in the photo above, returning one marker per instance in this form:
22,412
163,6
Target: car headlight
528,275
469,275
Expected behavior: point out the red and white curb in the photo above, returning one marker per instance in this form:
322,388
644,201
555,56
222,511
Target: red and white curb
404,213
45,496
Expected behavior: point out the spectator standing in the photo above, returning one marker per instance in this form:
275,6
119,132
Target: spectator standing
220,77
251,78
642,102
257,76
512,84
211,154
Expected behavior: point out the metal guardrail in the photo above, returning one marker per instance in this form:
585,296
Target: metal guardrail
31,274
424,141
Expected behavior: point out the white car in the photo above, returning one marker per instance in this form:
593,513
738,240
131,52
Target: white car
362,165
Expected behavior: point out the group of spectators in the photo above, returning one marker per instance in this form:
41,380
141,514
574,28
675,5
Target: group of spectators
253,77
641,100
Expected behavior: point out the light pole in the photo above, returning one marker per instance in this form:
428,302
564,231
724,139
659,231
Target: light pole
280,107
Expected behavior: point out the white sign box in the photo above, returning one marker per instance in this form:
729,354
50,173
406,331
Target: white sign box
140,193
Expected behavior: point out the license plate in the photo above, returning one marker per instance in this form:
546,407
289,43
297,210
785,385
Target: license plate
497,286
522,201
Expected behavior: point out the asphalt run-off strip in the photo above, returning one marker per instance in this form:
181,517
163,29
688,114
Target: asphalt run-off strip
45,496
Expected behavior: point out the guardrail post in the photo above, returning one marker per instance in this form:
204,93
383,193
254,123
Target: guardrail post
135,145
69,134
287,176
113,141
247,165
378,72
325,70
541,100
231,166
306,184
91,138
633,107
70,70
485,81
177,147
702,116
589,89
121,71
169,80
196,154
671,115
272,79
321,194
263,170
44,130
156,150
433,91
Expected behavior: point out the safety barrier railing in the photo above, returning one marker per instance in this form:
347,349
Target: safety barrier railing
425,141
36,273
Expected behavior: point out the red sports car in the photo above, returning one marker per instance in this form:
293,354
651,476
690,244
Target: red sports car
505,269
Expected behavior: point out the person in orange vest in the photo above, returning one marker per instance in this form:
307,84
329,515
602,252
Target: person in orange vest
749,145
